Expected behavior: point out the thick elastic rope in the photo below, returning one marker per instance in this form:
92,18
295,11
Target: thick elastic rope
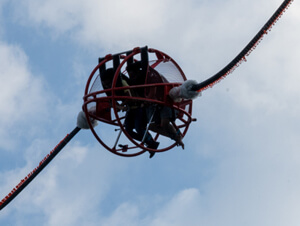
245,52
23,183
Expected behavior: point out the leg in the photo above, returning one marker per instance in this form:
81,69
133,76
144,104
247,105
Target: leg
130,121
166,128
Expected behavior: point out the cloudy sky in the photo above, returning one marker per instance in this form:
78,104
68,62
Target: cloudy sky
241,161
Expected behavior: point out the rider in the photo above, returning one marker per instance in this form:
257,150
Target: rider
136,115
163,116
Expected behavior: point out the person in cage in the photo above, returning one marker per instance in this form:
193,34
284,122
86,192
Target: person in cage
136,117
163,116
107,78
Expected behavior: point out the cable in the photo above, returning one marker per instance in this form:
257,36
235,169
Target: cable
23,183
245,52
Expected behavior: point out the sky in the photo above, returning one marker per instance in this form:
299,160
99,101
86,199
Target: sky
241,161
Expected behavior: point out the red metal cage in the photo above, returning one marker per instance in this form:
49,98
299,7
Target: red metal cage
102,104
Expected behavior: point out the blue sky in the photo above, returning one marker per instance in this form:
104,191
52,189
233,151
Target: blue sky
241,161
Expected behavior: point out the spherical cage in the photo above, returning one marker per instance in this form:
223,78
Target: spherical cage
109,104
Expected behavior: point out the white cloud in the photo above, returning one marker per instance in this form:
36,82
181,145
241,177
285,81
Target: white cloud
257,188
99,23
68,191
22,99
125,24
183,209
125,214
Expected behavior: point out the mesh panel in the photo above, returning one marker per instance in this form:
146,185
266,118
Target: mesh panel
169,71
97,85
